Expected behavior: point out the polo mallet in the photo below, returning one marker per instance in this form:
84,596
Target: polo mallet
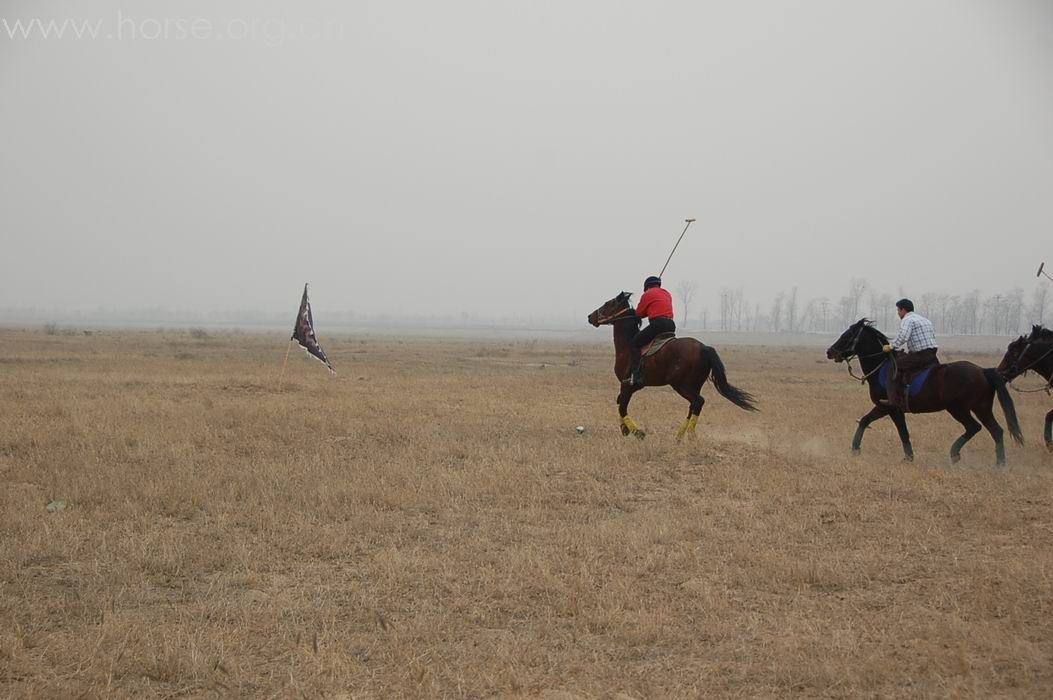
1041,273
688,222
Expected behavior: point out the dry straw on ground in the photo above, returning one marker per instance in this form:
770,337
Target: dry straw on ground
429,523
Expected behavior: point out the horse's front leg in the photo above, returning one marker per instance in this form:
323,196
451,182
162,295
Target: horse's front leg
864,423
900,419
1048,434
628,425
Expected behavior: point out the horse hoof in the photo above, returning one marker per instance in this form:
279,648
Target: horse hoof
909,459
955,459
1049,446
856,452
640,435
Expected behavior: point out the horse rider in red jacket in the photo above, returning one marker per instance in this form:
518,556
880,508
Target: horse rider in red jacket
656,305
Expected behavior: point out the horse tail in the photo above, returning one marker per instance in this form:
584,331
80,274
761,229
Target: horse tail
740,398
1006,401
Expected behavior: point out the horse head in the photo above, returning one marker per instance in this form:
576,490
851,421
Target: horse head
1008,367
615,309
1040,333
862,332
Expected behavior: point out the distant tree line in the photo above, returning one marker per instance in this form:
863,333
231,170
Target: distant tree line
971,313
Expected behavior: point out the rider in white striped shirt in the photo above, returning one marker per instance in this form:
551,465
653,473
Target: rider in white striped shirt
918,338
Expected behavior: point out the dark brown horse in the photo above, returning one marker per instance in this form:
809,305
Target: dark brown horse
1033,353
683,363
961,388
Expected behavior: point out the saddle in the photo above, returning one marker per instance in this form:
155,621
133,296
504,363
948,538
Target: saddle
917,382
657,344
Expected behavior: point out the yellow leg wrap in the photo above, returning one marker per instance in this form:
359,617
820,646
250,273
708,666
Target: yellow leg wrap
692,423
683,429
630,424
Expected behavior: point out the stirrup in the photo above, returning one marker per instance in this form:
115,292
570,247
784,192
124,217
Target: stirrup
634,378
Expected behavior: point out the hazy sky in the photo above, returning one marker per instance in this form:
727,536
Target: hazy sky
501,157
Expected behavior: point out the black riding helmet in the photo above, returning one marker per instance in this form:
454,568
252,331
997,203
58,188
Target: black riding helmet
652,281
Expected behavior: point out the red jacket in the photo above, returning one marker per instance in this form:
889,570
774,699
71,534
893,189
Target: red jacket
655,303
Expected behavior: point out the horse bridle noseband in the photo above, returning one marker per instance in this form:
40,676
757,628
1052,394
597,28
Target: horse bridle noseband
1018,372
848,358
616,317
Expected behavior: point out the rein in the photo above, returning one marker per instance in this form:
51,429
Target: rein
1047,388
848,360
616,317
871,373
1049,384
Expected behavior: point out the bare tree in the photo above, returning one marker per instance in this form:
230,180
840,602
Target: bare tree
725,308
856,289
943,304
686,291
887,303
739,307
971,312
992,315
791,311
1014,311
873,305
954,315
775,318
824,314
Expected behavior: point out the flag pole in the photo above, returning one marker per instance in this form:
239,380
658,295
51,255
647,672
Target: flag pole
288,347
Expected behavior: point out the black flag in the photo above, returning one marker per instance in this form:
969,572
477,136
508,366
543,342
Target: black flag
303,331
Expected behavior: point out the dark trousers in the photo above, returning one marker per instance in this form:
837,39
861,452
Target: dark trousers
907,367
641,339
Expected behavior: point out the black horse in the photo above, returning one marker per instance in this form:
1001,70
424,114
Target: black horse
960,388
1033,353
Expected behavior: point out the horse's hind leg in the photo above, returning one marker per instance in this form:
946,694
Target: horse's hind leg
986,416
691,422
1049,431
971,428
900,420
864,423
628,425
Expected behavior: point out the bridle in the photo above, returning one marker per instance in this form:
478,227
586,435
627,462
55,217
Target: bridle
623,313
1017,371
852,354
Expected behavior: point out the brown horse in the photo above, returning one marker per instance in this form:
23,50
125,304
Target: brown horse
960,388
1033,353
683,363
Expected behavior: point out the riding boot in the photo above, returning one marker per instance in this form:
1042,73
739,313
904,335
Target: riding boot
635,378
891,393
897,393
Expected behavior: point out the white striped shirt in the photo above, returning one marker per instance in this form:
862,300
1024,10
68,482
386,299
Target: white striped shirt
915,333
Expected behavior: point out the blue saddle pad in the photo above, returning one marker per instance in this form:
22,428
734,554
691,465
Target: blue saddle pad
915,384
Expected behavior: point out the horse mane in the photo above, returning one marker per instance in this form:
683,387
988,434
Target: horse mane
632,329
1040,333
869,325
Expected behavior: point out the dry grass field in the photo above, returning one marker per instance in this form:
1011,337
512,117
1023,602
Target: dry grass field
428,523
